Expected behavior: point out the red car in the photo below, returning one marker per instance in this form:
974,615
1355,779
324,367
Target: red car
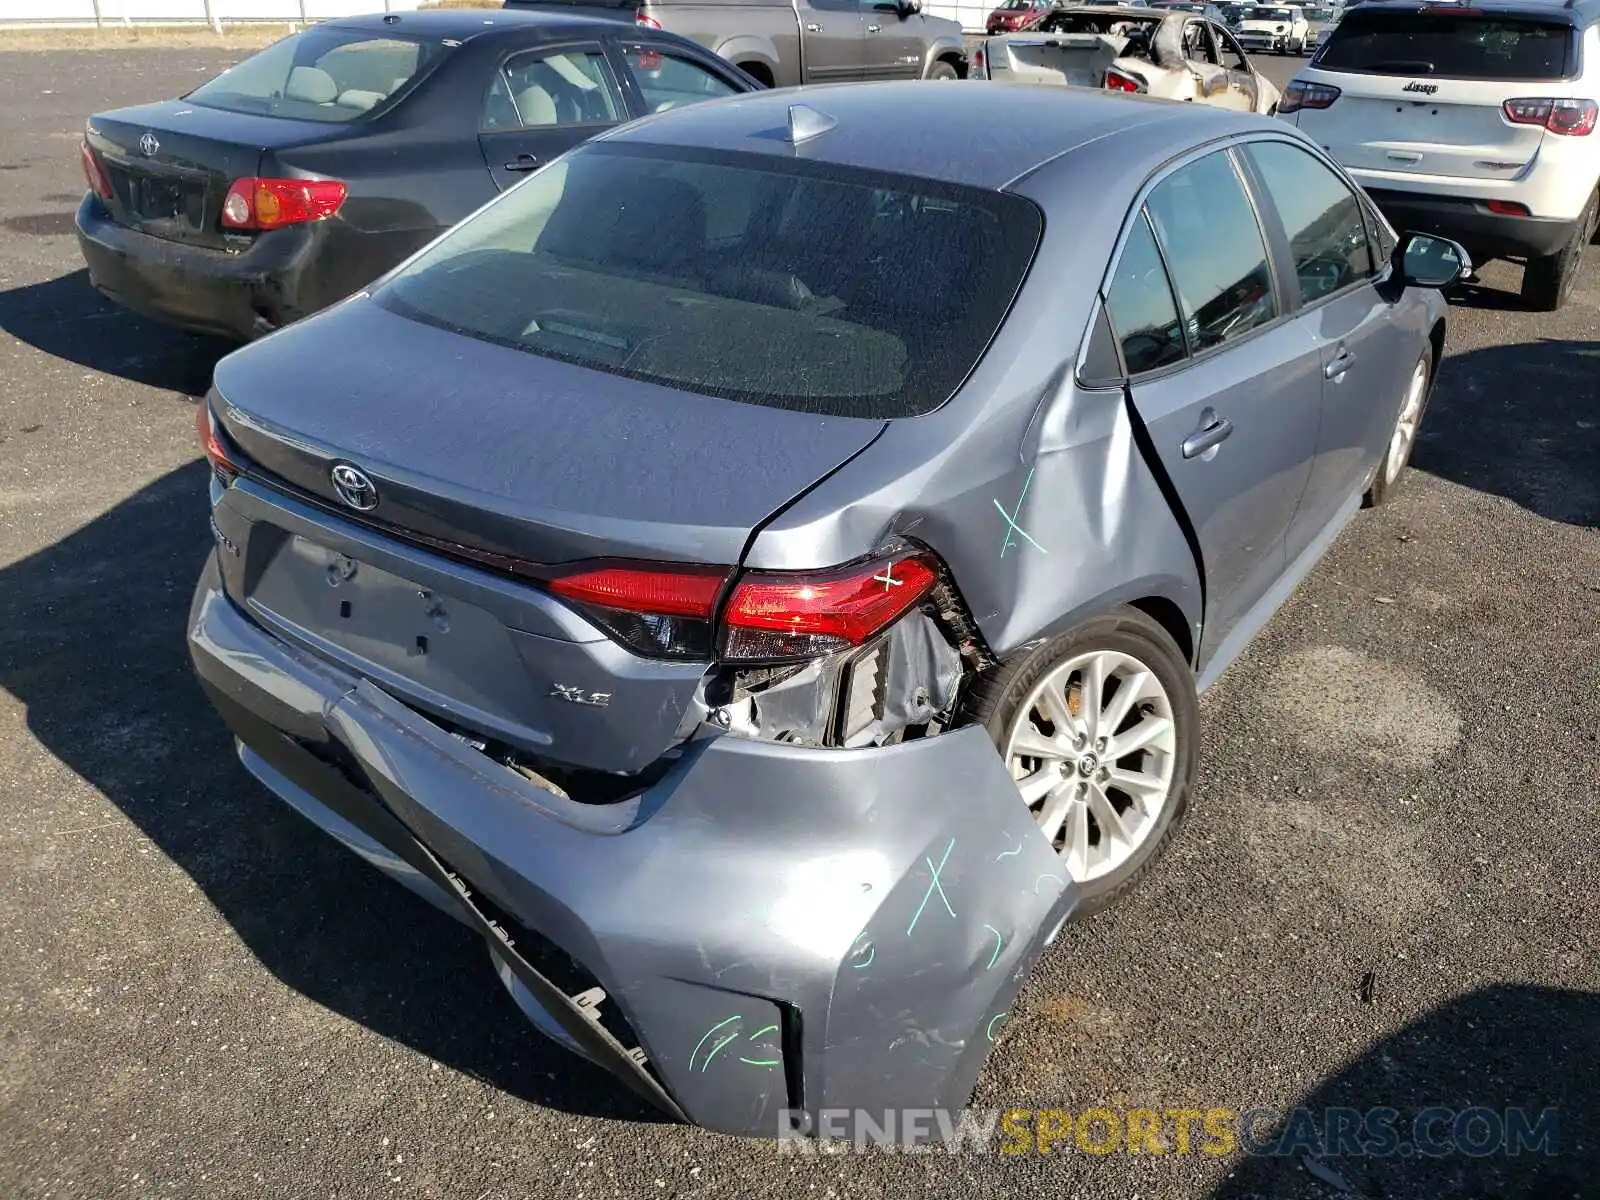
1016,15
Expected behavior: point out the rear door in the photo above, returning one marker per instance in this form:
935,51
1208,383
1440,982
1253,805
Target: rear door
833,40
1226,384
1367,354
893,48
542,102
1421,91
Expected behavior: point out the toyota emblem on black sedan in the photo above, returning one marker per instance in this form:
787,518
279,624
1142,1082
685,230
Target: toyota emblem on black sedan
149,144
354,488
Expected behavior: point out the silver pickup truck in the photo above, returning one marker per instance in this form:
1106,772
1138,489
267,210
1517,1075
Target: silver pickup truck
783,43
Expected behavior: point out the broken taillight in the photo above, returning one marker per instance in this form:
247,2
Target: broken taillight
262,204
769,616
99,183
1573,118
225,469
774,616
1123,81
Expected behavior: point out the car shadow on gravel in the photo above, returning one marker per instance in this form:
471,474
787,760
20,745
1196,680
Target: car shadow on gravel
92,644
67,318
1499,1067
1521,422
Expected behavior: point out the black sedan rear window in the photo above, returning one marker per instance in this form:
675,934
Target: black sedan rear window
1454,45
769,281
321,74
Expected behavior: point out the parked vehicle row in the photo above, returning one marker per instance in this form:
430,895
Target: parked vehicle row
1475,122
1169,52
785,43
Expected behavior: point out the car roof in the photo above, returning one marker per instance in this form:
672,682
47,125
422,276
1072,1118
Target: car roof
464,23
1577,12
979,134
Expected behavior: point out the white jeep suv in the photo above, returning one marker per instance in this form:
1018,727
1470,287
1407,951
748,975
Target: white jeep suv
1477,123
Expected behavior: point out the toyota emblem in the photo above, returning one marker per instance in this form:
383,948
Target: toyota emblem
149,144
354,488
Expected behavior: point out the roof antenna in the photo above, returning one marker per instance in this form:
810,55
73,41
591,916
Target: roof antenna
806,123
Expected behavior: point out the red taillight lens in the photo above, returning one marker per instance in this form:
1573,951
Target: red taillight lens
660,611
1572,118
782,616
1300,95
643,18
253,203
211,442
667,611
1122,81
99,183
678,592
980,64
1508,208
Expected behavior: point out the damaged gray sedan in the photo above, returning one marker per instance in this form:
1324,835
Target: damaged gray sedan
759,572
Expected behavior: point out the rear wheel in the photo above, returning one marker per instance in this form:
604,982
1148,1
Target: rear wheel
943,71
1099,728
1547,281
1404,436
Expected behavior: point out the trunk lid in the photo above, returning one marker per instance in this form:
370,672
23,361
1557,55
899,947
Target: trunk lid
480,448
1076,59
509,453
1383,123
170,164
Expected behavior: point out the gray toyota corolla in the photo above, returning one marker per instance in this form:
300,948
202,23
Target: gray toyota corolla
759,572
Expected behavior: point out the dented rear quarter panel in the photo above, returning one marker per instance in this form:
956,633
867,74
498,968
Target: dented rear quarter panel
1032,489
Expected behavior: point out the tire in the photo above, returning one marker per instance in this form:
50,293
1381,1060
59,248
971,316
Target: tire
942,72
1391,468
1547,281
1003,702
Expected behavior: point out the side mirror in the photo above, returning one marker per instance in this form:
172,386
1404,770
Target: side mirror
908,8
1425,260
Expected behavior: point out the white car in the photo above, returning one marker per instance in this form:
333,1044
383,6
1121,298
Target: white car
1278,29
1174,55
1474,123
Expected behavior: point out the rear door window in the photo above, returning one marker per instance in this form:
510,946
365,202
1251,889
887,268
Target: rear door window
791,284
551,88
1320,215
667,80
323,74
1455,45
1212,242
1139,302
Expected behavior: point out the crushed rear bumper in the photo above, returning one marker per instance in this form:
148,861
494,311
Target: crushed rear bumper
768,930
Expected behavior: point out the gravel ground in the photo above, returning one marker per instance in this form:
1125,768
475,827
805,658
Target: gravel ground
1386,893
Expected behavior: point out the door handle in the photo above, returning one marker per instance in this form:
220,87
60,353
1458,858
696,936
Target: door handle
1338,364
1213,431
523,162
813,27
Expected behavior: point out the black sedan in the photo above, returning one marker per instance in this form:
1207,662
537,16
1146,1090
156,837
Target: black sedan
308,170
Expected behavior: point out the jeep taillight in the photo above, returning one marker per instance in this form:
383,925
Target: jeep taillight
1300,95
1564,115
672,610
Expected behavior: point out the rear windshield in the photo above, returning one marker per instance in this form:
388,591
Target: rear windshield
322,74
769,281
1455,45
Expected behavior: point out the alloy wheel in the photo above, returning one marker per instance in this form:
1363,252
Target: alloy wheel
1405,428
1093,751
